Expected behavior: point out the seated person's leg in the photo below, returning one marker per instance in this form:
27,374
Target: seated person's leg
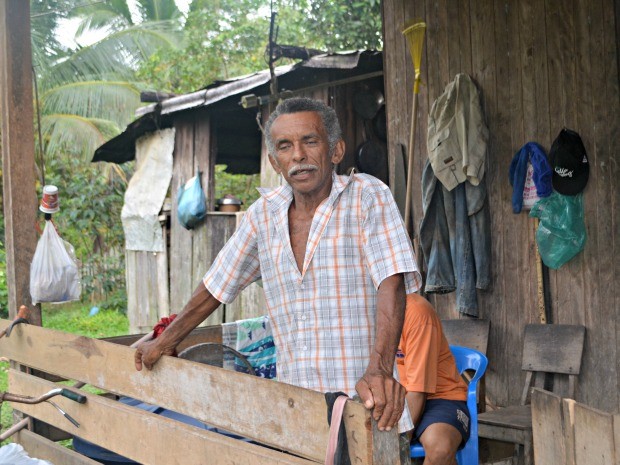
441,442
442,430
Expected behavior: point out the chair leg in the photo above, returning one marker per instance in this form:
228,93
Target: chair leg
528,456
517,458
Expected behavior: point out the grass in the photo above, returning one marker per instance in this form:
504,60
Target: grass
75,318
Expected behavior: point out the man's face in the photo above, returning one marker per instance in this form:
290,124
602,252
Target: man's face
302,153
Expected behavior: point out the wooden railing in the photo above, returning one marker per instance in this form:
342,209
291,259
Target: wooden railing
291,421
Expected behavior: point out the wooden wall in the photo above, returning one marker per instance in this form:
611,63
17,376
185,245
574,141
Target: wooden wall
540,66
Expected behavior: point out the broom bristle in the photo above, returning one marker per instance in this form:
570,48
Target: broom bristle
415,38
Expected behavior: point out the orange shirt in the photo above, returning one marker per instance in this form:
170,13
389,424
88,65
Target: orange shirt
424,361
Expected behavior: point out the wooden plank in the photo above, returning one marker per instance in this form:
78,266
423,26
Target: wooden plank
188,388
197,336
594,436
553,348
221,227
568,413
181,284
18,167
597,48
142,436
547,427
44,449
162,292
201,235
467,332
617,436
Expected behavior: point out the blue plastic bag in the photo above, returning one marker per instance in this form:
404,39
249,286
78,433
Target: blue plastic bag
561,231
191,203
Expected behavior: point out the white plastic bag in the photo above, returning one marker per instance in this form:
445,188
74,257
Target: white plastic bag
14,454
54,275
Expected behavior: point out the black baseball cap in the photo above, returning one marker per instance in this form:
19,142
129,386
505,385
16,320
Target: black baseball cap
569,162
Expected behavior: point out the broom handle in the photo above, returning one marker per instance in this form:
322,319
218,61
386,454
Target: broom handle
414,106
540,288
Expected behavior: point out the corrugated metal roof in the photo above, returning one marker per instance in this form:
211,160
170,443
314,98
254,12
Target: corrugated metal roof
122,147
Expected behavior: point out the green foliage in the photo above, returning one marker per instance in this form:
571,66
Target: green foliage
224,40
242,186
74,318
89,219
88,93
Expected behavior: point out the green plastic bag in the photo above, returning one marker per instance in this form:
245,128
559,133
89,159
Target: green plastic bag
561,231
191,203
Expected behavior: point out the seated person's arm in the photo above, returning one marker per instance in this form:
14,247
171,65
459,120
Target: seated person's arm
416,402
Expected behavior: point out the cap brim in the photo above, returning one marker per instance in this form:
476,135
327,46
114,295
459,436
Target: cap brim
570,186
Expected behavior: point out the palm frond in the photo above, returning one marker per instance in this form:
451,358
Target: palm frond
157,10
116,55
72,135
114,101
115,11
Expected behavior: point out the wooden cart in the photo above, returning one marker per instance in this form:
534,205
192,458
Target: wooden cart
291,421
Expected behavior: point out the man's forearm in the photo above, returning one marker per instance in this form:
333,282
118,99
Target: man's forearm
197,309
390,318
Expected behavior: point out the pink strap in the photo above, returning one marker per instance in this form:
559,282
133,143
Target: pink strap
337,411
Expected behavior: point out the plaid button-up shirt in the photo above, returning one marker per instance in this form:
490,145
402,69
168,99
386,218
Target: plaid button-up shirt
323,318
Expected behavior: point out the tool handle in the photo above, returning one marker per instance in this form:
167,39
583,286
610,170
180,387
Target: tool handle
79,398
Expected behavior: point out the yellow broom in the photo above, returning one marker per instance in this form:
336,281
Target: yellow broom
415,38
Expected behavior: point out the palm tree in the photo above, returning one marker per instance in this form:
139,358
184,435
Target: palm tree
86,94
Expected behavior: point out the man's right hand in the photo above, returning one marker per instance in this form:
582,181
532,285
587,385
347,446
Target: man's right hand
149,352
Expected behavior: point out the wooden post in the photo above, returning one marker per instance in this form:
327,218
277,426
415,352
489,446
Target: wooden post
20,198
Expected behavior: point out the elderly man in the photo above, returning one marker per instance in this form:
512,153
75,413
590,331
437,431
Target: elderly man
335,262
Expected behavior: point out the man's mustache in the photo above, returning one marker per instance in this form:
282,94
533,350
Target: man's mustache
297,168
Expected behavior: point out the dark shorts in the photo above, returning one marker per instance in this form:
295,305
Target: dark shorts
452,412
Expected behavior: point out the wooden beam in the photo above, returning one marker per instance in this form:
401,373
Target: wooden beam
272,413
142,436
42,448
18,169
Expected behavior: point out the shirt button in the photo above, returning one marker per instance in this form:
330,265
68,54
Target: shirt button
305,347
303,317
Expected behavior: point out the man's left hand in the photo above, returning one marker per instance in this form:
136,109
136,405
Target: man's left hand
380,392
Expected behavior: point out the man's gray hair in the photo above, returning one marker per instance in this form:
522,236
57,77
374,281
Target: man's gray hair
301,104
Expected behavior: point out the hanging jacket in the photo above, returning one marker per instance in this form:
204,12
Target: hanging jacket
457,135
455,230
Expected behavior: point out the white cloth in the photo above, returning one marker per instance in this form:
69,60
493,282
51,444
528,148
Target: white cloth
147,191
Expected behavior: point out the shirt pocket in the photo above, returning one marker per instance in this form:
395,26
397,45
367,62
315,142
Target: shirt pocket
444,148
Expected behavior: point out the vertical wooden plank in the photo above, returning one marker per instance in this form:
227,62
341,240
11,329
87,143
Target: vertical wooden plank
617,437
547,427
594,440
455,41
608,170
597,48
130,279
568,413
18,168
162,280
398,69
181,284
493,304
221,228
204,153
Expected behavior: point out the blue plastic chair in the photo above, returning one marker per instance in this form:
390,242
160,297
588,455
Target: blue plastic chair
466,359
